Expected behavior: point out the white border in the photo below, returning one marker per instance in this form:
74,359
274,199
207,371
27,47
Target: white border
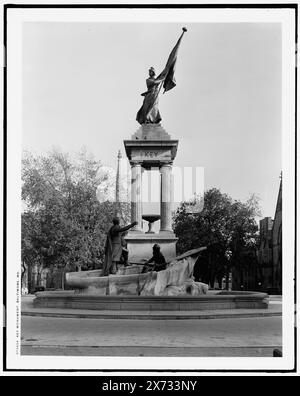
15,18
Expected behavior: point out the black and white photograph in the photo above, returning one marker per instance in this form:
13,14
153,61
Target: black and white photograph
149,189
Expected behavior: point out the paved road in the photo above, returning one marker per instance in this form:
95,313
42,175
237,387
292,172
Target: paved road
104,337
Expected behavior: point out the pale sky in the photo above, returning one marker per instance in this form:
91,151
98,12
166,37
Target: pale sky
82,85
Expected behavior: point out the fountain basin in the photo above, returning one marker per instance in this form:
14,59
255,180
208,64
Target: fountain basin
151,218
172,289
210,301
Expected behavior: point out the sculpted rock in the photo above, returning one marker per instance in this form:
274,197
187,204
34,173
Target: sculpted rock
176,280
148,283
199,288
189,287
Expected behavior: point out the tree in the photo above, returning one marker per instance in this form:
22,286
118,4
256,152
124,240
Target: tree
225,226
64,226
29,252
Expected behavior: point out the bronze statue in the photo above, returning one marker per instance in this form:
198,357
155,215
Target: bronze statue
158,260
113,247
149,112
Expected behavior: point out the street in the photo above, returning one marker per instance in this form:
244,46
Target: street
122,337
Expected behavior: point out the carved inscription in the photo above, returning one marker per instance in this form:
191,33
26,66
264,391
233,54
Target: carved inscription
150,154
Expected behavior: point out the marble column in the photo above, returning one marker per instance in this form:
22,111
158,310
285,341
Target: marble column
136,195
166,197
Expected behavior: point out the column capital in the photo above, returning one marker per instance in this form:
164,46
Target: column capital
135,163
165,165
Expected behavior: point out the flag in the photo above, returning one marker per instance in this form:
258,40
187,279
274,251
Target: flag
168,73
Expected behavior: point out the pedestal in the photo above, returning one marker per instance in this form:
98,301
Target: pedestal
151,147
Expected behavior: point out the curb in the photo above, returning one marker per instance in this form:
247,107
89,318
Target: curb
150,351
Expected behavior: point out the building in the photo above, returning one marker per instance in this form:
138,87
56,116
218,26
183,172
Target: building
35,278
264,252
270,249
246,276
277,244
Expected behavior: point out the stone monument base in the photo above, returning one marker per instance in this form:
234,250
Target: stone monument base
140,245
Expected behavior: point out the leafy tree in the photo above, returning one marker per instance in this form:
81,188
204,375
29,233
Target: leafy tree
29,253
225,226
64,226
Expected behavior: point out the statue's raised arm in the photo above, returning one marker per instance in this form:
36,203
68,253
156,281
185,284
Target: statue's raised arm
149,112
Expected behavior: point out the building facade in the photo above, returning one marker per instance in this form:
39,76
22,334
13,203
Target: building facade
270,249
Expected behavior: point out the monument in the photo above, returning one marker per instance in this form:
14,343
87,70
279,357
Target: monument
152,147
174,287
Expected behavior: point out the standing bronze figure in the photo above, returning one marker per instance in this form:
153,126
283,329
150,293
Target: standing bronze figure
113,247
149,112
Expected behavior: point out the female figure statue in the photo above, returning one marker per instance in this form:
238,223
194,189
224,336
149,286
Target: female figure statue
149,112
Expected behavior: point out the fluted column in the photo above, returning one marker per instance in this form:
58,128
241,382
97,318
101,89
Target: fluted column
136,195
165,200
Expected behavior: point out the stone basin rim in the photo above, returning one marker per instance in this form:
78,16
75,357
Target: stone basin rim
70,299
70,294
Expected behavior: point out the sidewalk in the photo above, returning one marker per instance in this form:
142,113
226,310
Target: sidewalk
275,309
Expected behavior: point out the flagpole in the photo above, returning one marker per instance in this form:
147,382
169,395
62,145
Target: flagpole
184,29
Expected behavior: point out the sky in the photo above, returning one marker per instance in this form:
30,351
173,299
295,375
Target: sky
82,84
